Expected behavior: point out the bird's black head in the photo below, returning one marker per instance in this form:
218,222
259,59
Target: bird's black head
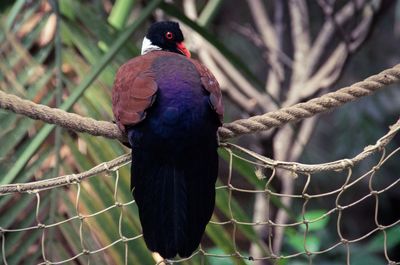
165,35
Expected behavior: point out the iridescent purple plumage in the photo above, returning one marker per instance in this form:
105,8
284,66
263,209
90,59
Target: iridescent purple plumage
175,161
171,108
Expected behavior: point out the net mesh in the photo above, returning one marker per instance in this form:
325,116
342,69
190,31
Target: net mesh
353,184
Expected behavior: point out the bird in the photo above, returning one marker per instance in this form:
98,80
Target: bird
170,107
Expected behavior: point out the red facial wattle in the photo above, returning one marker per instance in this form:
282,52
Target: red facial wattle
182,48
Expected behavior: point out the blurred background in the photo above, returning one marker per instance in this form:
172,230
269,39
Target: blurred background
266,55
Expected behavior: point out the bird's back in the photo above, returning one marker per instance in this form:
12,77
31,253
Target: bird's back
175,161
181,113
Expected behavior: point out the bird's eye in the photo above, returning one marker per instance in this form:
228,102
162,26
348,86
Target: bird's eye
169,35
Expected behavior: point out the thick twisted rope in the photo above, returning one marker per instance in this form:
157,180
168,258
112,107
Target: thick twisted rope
120,161
228,130
337,165
239,127
60,117
314,106
40,185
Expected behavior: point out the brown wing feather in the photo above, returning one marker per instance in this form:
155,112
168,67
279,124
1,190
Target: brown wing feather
134,91
211,85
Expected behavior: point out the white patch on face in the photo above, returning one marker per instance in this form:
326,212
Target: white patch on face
147,46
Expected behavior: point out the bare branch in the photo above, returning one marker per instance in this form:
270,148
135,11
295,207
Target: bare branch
264,102
281,152
328,73
189,7
268,35
246,104
323,78
359,34
210,55
249,33
327,32
301,40
302,138
291,150
261,212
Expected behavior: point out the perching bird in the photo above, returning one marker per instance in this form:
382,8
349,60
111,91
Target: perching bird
170,107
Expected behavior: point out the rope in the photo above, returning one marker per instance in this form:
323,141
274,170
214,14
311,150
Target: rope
310,108
267,162
228,130
67,179
337,165
60,117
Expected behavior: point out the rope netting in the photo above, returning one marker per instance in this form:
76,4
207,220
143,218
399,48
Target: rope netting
327,198
347,177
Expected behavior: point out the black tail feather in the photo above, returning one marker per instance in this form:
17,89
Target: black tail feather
175,197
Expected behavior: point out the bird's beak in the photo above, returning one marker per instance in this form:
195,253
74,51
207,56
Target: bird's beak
182,48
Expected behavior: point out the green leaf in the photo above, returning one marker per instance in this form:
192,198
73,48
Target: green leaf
120,13
247,171
362,258
14,12
296,240
223,240
26,175
209,12
377,242
18,130
67,9
220,261
90,78
314,215
24,239
6,220
21,254
101,195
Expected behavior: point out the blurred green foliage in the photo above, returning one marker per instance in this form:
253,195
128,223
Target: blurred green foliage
95,42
